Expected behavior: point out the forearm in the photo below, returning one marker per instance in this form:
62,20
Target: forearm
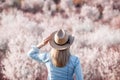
44,41
39,45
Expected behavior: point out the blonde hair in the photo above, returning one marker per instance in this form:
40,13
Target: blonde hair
60,57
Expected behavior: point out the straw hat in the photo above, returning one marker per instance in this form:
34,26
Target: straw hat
61,40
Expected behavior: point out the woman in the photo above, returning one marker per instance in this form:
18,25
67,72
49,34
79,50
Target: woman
60,63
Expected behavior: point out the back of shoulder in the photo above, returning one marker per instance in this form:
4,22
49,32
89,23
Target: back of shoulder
74,59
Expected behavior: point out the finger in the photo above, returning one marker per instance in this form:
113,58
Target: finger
49,36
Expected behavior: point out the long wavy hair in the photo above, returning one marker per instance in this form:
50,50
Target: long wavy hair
60,57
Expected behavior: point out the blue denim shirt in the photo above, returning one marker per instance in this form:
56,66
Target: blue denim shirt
73,67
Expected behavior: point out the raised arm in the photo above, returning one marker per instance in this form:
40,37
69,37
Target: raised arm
34,52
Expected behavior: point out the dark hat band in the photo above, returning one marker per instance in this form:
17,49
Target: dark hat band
64,43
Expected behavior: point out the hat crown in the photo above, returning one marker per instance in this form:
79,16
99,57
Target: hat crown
61,40
60,37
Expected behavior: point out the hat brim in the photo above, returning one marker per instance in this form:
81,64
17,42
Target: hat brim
61,47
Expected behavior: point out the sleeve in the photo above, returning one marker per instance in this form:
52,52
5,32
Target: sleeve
78,70
34,54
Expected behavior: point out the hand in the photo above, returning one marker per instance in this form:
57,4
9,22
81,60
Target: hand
44,41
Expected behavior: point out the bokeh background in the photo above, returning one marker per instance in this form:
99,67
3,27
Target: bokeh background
94,23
